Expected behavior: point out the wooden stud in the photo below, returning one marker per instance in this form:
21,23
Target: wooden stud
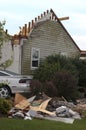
29,27
32,23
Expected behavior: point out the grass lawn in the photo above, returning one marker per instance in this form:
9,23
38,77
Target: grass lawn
37,124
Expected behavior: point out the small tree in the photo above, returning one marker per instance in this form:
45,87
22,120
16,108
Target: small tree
3,35
3,38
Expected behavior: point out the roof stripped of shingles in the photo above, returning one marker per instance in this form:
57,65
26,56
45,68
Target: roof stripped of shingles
27,28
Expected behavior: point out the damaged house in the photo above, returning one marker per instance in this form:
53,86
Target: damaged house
42,37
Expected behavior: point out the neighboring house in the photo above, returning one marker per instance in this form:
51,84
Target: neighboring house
44,36
83,55
6,53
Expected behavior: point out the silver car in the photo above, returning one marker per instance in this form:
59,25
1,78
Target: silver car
11,83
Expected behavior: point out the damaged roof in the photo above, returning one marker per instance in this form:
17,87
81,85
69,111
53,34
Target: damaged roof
25,31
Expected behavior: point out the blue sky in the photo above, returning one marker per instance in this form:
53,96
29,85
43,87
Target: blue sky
19,12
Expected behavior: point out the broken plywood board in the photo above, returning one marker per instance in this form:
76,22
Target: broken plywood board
18,98
44,104
22,105
42,108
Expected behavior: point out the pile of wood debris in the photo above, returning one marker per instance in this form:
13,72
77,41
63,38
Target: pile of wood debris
44,107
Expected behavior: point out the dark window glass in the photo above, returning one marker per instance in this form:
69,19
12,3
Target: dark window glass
35,63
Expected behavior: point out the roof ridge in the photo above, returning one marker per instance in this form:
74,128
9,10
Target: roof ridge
28,27
48,15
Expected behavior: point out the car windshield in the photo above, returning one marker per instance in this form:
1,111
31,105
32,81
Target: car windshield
10,73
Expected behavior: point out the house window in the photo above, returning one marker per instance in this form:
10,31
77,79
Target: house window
35,56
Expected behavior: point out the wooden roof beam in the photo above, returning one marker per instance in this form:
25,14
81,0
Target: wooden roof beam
63,18
56,18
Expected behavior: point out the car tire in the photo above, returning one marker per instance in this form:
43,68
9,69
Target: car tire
5,92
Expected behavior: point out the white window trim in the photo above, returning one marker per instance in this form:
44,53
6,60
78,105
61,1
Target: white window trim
34,58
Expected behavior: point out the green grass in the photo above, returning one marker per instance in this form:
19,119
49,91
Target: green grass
37,124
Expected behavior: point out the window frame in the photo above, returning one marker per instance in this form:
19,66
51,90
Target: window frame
33,59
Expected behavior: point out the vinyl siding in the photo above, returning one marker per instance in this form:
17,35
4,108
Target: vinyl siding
51,38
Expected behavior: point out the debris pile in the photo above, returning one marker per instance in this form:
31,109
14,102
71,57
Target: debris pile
43,107
81,104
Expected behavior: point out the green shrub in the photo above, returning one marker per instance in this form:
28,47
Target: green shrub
50,89
81,67
66,84
52,64
59,75
36,86
5,106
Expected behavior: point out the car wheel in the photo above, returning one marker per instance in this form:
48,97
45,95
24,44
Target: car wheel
5,92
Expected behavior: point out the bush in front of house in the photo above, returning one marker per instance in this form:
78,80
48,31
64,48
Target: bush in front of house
58,75
81,67
52,64
62,84
47,87
36,86
66,84
50,89
5,106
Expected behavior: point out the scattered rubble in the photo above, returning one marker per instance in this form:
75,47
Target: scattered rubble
44,107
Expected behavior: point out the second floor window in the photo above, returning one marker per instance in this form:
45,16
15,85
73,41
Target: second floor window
35,56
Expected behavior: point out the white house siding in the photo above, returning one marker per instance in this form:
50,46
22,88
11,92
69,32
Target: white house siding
51,38
12,53
16,67
6,51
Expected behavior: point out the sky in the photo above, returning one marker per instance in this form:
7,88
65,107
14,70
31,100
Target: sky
19,12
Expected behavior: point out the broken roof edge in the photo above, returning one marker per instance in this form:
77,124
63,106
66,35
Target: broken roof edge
43,17
25,31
